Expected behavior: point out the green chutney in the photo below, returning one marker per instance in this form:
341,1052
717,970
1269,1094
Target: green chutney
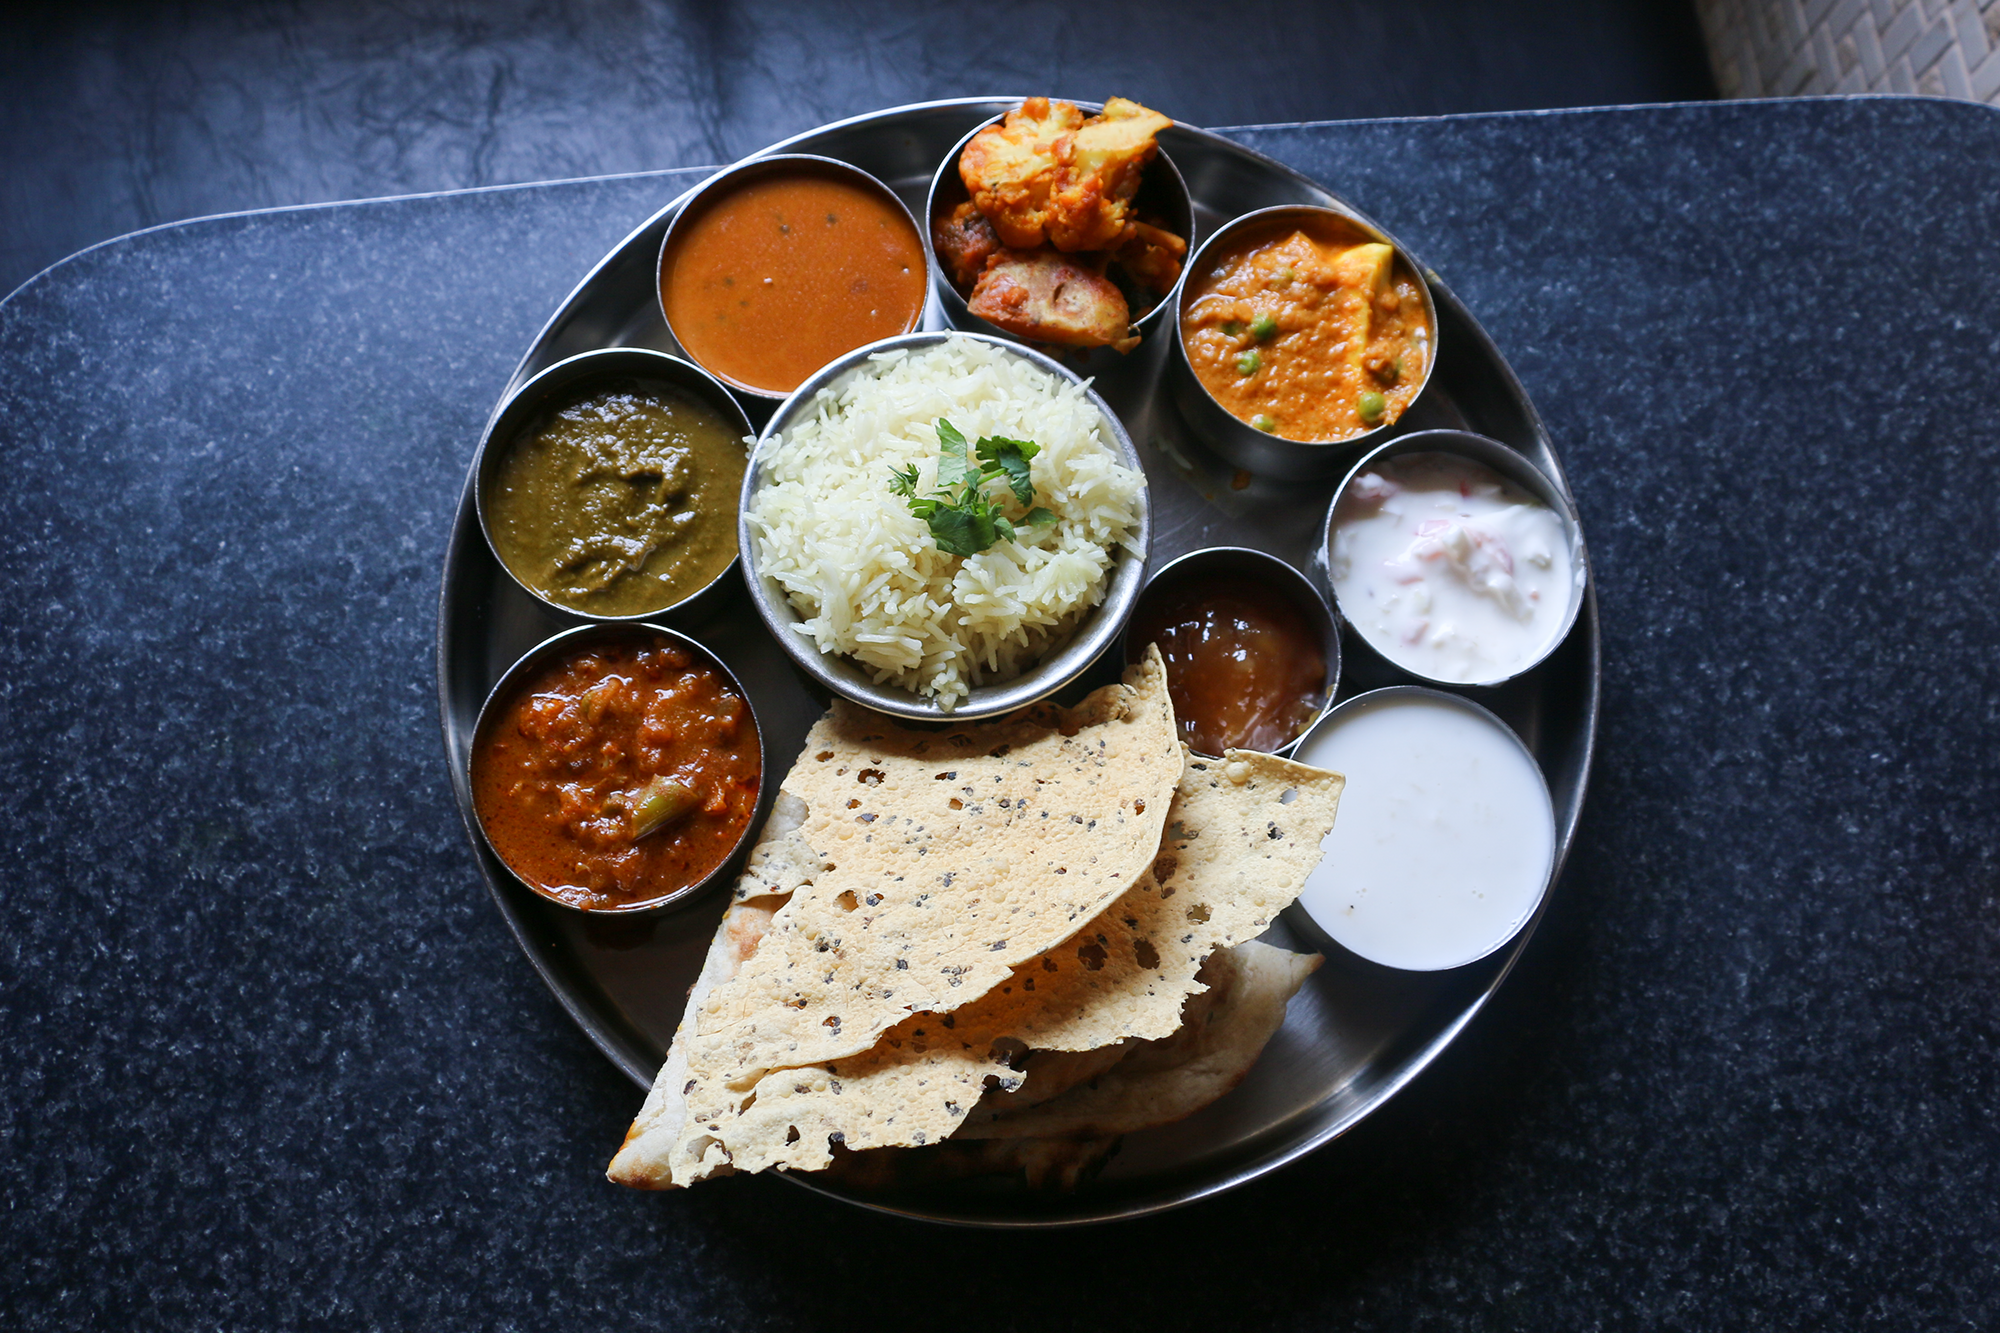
619,503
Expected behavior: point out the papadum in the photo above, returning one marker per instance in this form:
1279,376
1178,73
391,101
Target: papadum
1242,833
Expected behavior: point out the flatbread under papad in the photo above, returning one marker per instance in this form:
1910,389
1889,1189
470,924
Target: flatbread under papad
945,858
1165,1080
1056,1166
1224,1031
1242,835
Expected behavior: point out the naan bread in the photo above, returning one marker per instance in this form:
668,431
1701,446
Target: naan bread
1059,1146
1057,1166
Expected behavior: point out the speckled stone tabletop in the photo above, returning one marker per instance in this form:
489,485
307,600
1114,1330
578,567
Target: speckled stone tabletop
273,1060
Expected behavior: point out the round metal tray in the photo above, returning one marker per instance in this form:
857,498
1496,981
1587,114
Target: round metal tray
1355,1034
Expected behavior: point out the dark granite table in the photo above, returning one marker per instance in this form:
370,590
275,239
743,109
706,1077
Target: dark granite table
273,1060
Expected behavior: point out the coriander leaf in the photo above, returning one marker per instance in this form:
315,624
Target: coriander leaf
963,532
1038,516
993,445
1009,458
954,468
963,518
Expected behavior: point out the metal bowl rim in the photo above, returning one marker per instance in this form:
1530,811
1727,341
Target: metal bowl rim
1329,639
1145,324
690,204
1440,441
1262,216
1385,694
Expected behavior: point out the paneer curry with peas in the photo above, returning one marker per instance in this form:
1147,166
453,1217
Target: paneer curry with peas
1308,328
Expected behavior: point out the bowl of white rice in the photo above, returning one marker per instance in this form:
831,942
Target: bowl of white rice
849,574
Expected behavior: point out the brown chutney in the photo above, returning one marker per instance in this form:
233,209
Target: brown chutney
620,501
1244,668
1308,328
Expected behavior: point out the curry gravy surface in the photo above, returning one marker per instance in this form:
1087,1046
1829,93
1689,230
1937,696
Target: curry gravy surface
559,780
619,502
773,279
1311,330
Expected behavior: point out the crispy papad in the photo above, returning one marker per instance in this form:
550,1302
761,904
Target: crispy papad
1161,1081
780,861
938,860
1243,833
950,857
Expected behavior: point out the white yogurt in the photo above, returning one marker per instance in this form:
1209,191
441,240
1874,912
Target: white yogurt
1448,570
1446,836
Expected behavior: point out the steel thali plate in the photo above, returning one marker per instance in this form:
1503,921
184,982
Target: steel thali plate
1355,1034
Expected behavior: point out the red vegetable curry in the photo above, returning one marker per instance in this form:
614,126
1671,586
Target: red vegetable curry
618,775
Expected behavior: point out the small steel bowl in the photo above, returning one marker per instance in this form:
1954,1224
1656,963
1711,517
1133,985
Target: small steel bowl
1512,467
732,178
842,675
1320,934
1241,564
1237,440
587,636
1162,190
561,381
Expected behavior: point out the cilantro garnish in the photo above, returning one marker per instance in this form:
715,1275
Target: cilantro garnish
963,518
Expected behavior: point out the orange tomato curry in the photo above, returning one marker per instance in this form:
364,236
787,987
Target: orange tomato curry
1245,670
618,775
1313,335
776,278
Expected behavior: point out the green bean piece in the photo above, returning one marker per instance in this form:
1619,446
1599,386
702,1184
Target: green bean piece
1265,422
1250,363
659,803
1371,405
1233,327
598,698
1397,368
1263,327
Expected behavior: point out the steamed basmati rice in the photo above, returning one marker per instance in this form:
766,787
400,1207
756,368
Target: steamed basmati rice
864,572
